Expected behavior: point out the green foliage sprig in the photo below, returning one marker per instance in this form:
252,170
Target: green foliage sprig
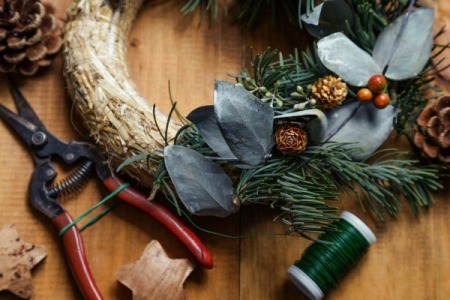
285,82
251,12
303,186
282,81
372,15
204,6
410,101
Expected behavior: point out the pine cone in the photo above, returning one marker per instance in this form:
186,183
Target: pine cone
291,139
29,36
432,135
329,91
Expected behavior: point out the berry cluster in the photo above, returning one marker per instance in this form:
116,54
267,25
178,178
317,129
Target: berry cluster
376,86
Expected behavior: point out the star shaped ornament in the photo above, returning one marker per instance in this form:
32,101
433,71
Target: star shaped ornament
155,275
17,258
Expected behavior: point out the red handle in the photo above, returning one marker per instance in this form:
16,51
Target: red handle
76,256
165,217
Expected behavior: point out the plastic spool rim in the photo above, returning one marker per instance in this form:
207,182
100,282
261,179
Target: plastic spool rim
304,283
360,226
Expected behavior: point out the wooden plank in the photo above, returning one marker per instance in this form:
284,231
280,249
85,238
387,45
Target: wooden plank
410,259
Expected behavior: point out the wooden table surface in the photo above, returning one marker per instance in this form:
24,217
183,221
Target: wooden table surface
410,261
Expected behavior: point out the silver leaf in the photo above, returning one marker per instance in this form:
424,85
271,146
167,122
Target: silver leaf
362,125
205,120
313,18
329,17
203,187
245,121
343,57
414,49
315,128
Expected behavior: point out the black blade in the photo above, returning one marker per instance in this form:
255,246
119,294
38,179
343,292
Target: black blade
27,125
23,107
21,126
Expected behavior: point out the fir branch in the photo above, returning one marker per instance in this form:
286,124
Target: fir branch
379,185
371,17
252,12
282,81
410,99
204,6
301,197
367,25
302,186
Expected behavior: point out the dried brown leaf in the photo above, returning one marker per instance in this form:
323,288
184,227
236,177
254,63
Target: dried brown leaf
17,258
155,275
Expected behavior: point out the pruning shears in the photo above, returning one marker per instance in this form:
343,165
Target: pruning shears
42,194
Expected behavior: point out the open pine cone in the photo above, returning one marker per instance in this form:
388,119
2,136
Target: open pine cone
329,91
29,36
432,135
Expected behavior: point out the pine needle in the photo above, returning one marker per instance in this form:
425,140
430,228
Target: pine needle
302,187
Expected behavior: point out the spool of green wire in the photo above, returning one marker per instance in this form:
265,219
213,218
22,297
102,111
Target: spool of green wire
323,265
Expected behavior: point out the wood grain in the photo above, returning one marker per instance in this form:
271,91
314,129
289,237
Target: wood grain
410,260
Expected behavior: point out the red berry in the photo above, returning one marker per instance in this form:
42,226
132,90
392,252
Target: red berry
365,95
381,101
377,83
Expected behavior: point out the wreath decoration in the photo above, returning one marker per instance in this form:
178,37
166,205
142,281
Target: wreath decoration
292,131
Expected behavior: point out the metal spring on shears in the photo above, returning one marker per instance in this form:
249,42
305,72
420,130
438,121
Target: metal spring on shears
73,181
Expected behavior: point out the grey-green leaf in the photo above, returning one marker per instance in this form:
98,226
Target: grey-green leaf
329,17
245,122
202,186
314,17
316,125
362,125
205,120
414,49
343,57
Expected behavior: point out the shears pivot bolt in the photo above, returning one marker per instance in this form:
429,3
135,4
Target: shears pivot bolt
39,139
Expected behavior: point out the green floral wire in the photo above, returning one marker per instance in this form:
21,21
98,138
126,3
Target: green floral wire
326,262
91,209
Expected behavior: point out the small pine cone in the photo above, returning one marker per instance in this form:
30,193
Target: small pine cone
329,91
291,139
432,134
29,36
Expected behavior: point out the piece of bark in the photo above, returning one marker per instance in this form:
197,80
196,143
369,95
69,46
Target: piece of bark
155,275
17,258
